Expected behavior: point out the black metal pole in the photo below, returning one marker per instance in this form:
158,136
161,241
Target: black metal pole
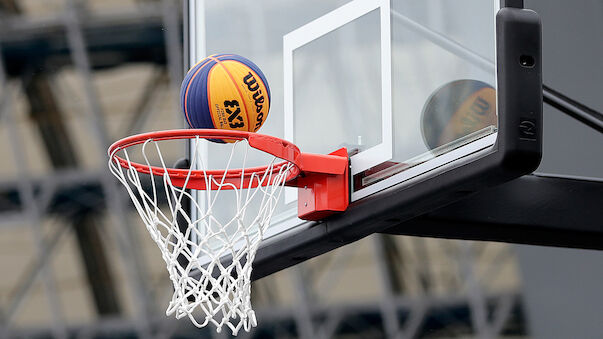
576,110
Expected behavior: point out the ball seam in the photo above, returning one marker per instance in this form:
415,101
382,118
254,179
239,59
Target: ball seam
238,89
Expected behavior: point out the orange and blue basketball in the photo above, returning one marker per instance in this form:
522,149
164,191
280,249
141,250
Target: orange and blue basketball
225,91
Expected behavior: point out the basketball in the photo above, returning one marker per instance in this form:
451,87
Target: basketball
457,109
225,91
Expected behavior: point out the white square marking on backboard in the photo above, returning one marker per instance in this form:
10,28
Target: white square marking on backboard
320,27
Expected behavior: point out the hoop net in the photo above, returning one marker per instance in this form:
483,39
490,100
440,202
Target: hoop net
208,258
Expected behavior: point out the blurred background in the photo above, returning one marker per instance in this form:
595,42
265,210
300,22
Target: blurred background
76,262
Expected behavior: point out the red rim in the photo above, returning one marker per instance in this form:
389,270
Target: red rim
198,178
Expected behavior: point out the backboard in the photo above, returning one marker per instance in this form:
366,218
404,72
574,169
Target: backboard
415,90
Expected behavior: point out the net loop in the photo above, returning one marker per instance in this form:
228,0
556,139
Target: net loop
209,258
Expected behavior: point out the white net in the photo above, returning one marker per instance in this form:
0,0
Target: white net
208,258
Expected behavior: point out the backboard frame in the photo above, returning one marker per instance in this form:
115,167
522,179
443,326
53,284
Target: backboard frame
516,151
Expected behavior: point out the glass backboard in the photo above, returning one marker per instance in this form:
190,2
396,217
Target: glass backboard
407,86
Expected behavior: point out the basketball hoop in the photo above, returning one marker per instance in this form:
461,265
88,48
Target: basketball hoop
208,288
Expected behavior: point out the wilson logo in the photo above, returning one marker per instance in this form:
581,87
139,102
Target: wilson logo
258,98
